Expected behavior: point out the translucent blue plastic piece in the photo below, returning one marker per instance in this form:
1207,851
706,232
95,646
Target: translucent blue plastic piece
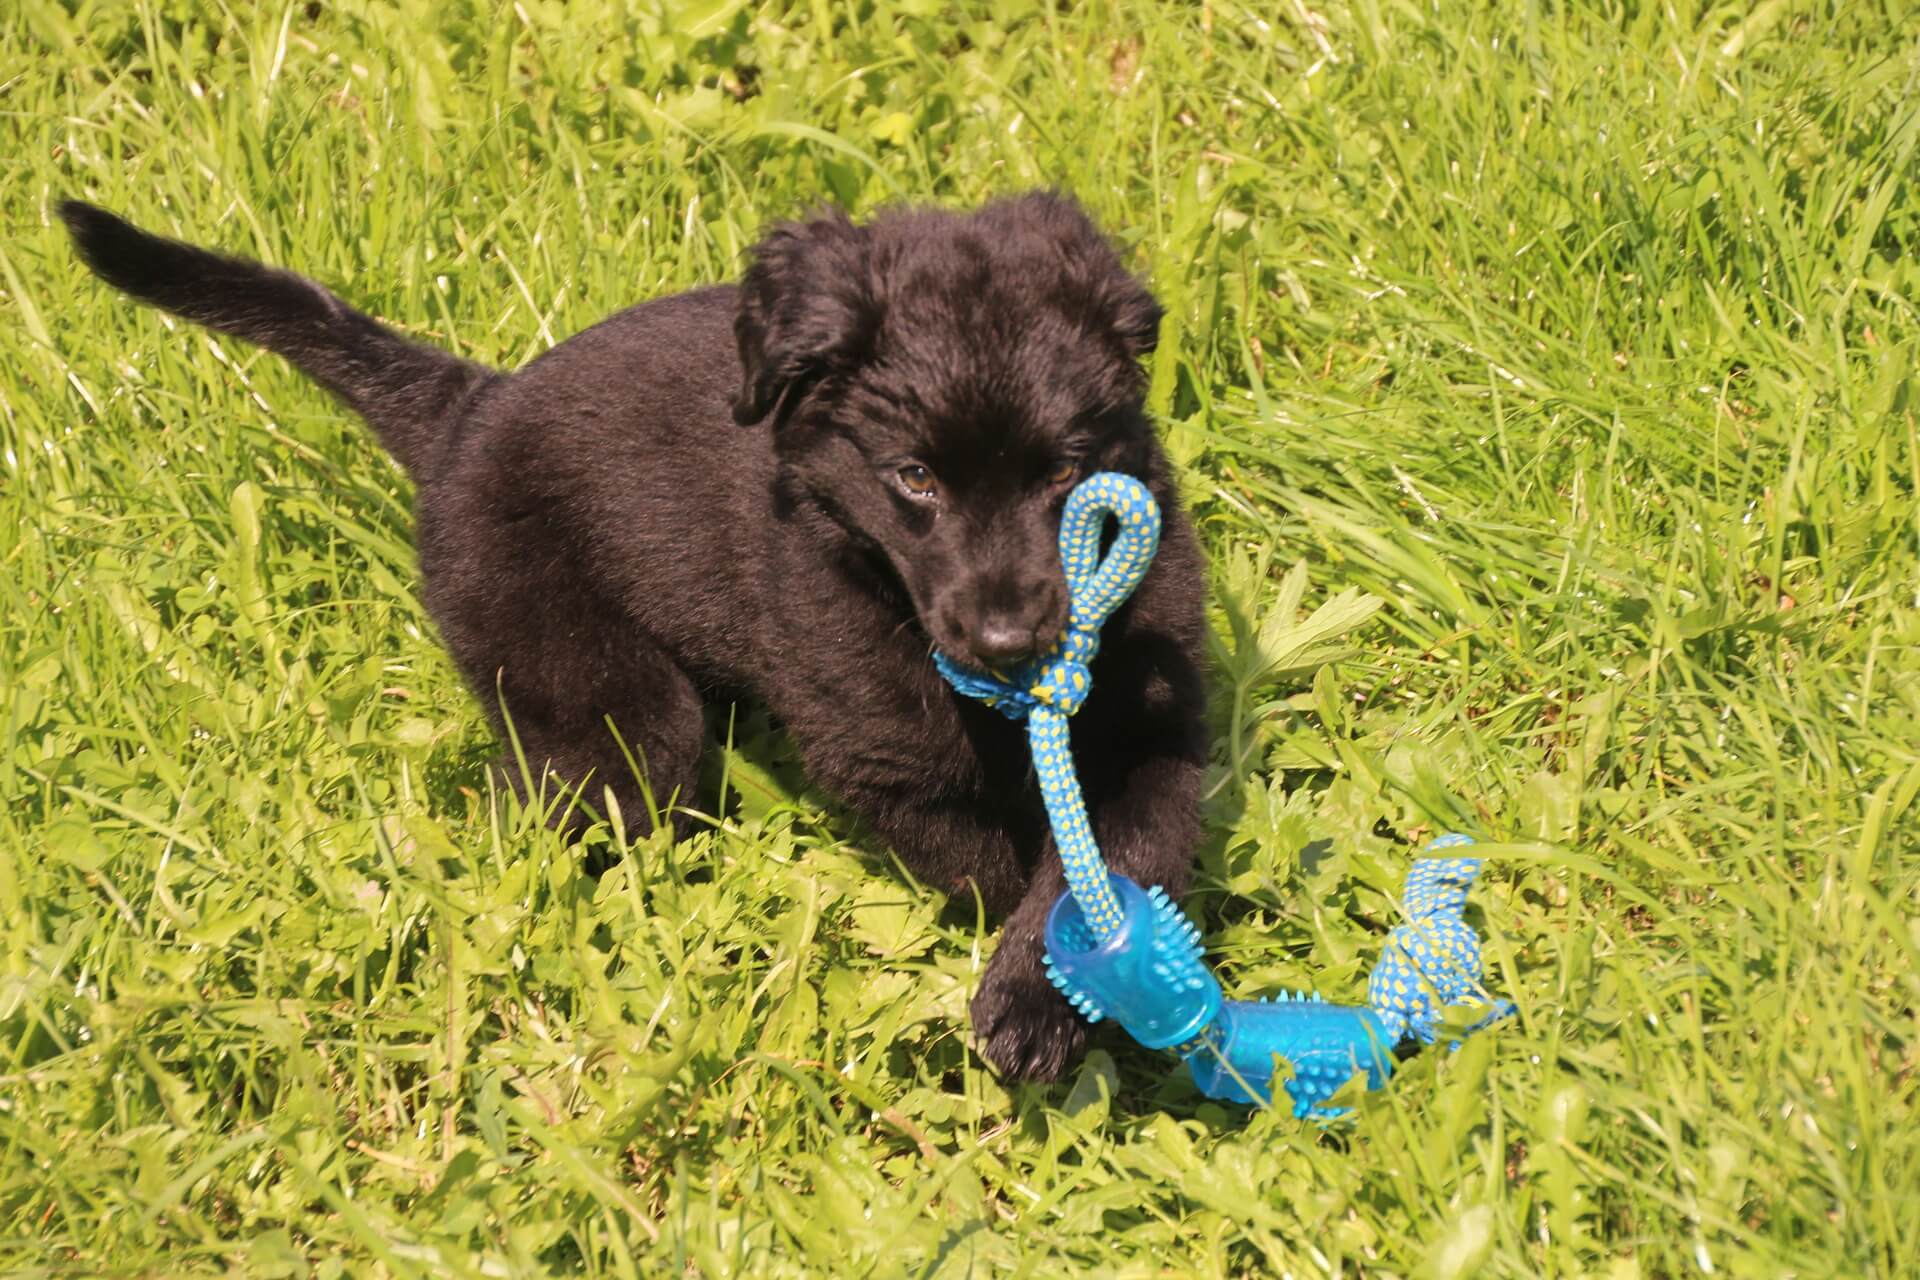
1326,1045
1147,977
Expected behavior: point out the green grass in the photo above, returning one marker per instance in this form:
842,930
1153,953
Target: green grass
1583,337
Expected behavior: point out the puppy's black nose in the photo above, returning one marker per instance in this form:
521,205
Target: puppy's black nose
1001,640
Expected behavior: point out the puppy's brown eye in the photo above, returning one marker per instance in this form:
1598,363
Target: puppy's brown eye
918,481
1064,472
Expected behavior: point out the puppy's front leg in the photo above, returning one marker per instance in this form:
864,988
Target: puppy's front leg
1140,745
941,782
959,809
1146,830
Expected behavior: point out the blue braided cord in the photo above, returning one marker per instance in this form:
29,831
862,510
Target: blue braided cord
1072,833
1432,959
1045,691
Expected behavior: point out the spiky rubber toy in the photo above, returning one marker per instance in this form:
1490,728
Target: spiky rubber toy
1118,951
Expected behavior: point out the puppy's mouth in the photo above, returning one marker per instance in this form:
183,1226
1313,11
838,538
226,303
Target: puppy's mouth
959,657
962,656
1001,641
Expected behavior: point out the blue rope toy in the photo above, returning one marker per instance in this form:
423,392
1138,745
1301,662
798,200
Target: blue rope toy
1116,950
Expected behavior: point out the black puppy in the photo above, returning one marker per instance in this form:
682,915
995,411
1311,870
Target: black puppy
792,490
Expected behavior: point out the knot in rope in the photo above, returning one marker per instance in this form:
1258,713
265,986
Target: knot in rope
1432,959
1061,679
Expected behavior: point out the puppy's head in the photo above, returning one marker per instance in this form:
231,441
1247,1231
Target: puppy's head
937,383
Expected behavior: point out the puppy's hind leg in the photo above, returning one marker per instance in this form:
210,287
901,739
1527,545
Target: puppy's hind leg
638,735
621,716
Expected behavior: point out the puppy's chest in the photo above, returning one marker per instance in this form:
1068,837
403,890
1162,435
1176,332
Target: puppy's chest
968,750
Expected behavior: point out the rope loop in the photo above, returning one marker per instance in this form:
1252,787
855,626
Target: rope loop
1096,586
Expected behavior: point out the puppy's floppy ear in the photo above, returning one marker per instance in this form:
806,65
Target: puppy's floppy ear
807,308
1133,312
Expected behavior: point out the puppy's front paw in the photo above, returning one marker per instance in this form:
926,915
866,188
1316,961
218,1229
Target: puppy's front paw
1025,1029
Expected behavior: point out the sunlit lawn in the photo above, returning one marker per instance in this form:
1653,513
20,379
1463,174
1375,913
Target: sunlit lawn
1583,340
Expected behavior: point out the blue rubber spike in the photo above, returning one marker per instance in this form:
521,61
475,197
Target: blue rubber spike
1147,977
1118,951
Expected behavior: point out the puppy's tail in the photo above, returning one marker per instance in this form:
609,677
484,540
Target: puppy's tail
404,390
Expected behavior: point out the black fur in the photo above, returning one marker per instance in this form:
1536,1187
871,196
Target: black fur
792,490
